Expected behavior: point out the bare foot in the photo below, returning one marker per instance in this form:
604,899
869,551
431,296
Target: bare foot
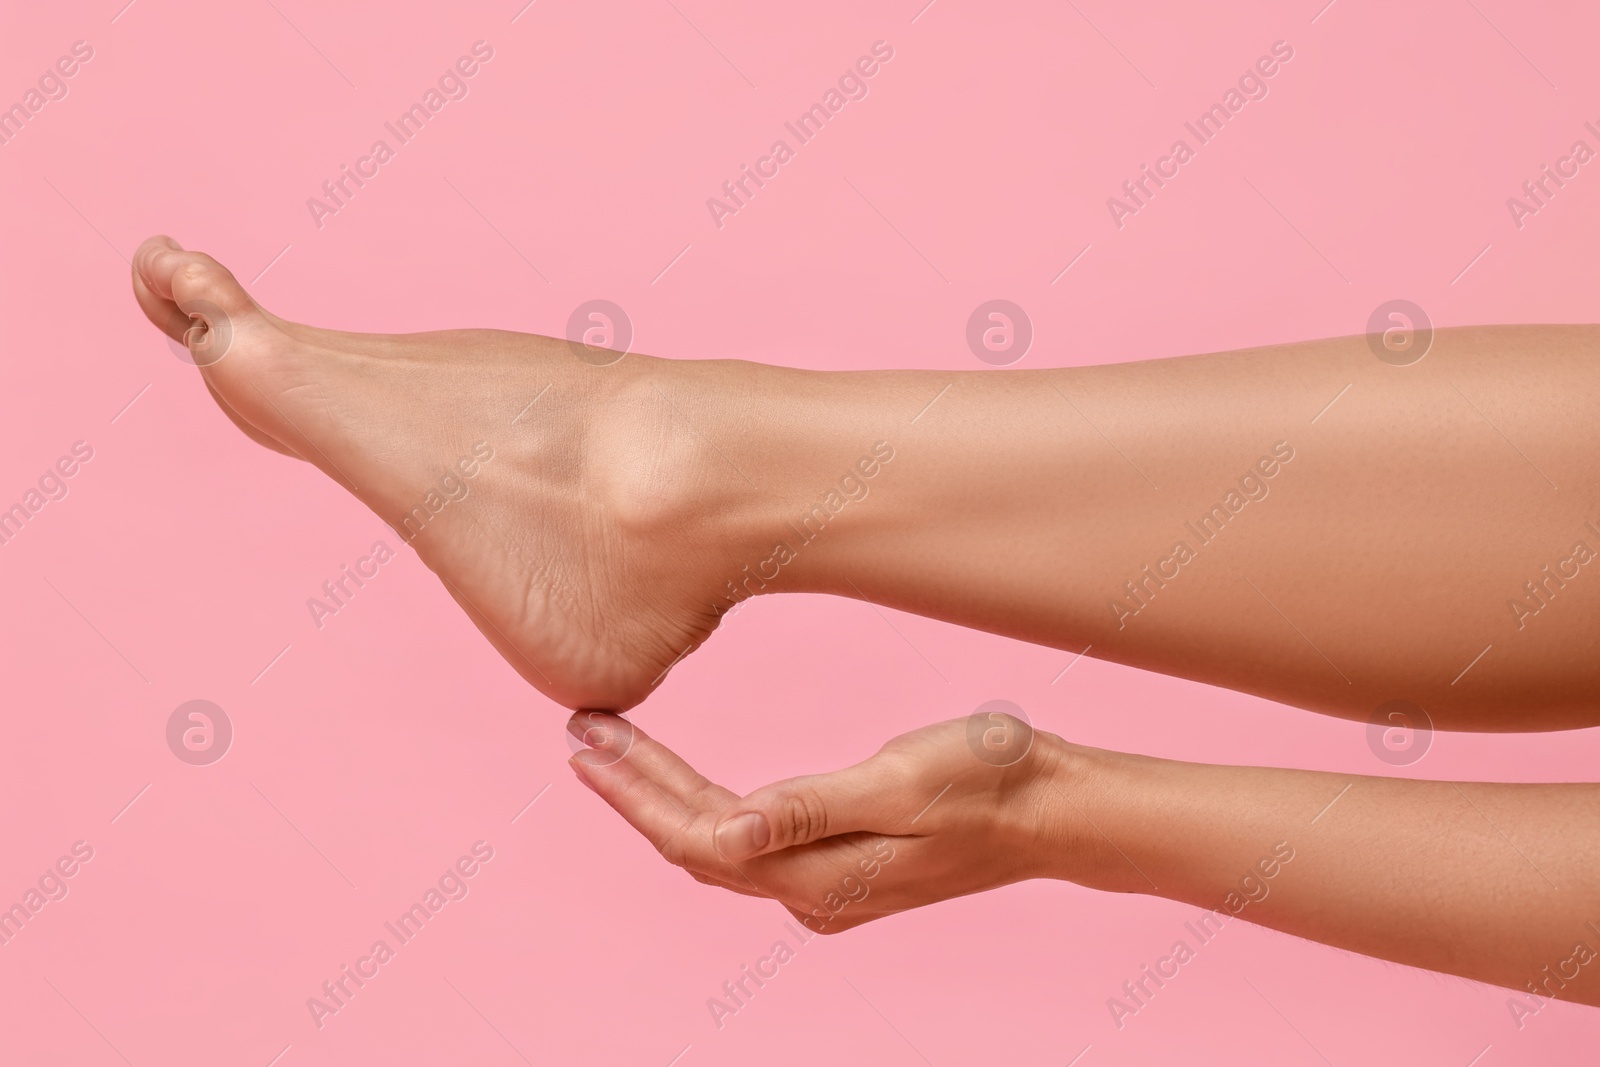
576,533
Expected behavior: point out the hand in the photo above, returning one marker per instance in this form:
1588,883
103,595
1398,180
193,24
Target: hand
951,809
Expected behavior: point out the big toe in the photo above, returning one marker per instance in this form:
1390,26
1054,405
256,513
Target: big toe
198,303
190,297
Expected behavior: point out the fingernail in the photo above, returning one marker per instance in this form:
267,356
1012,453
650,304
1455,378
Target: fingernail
587,727
743,836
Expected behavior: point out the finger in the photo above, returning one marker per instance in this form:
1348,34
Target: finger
612,740
868,796
656,792
664,822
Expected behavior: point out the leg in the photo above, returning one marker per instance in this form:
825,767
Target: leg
1335,560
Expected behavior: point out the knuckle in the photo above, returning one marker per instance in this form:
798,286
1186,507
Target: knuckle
804,817
672,850
194,272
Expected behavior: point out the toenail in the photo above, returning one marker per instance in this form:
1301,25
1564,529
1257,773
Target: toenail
599,332
208,337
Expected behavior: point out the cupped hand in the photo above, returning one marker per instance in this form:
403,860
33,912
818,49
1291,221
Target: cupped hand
947,810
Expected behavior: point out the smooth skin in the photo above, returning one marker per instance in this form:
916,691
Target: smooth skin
629,505
1373,531
1490,881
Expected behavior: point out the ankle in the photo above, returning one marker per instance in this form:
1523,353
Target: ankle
757,477
659,454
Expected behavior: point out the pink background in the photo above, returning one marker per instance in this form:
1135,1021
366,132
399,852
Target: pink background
377,750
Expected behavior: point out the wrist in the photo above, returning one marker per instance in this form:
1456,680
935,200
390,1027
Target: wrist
1083,833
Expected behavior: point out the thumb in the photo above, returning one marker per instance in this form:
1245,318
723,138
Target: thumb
802,810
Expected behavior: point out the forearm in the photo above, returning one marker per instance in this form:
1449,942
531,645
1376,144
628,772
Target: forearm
1129,508
1495,882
